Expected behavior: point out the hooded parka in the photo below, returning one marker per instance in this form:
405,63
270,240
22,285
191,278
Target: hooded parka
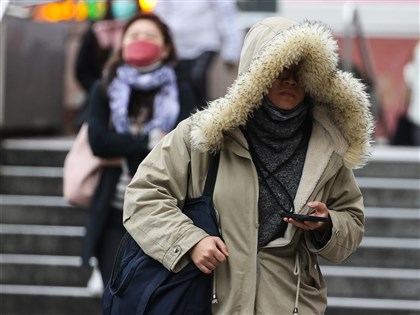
285,273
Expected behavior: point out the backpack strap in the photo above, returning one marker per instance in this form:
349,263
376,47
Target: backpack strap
211,175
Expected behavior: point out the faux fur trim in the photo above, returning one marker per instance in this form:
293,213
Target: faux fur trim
312,46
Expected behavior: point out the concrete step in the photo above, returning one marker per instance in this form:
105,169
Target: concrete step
382,252
392,222
392,162
351,282
365,306
17,269
33,274
390,192
35,152
39,210
48,300
31,180
41,239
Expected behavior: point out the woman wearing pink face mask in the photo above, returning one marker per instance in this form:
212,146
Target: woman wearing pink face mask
138,97
100,40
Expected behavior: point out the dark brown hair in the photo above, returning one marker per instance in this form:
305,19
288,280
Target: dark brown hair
116,60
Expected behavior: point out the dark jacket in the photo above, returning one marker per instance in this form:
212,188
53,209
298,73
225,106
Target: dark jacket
90,60
106,143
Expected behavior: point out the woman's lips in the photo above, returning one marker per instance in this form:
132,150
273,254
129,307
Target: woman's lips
288,93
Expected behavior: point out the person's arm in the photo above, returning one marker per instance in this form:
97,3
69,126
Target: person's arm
155,197
345,209
85,69
320,231
227,23
105,142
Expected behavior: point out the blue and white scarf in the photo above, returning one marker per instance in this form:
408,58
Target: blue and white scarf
166,103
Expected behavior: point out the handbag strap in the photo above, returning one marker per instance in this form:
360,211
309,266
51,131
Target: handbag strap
211,175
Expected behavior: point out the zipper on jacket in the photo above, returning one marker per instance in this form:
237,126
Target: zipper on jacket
257,276
259,252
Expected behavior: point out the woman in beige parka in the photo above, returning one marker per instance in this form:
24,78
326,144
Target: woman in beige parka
290,130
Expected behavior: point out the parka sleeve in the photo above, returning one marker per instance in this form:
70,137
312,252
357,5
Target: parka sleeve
154,199
345,204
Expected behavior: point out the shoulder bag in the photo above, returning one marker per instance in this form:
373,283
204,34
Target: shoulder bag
82,171
141,285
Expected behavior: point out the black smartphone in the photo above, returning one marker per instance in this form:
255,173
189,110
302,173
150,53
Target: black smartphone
302,217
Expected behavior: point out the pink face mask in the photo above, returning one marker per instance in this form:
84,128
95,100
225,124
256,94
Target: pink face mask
141,53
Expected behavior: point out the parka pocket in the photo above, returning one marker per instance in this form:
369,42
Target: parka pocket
311,272
307,279
312,277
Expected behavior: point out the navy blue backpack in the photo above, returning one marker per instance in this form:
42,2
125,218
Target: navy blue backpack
141,285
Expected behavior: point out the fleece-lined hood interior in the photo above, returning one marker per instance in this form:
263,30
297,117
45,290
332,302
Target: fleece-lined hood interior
271,46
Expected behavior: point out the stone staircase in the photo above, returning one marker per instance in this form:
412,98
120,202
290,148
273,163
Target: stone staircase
41,237
383,276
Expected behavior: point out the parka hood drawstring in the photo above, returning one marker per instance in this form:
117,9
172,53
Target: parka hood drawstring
296,272
214,299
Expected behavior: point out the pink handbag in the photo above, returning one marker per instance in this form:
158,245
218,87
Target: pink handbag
82,171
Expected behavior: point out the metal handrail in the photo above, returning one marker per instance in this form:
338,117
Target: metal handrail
353,28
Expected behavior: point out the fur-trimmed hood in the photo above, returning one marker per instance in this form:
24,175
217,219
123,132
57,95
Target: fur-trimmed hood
271,46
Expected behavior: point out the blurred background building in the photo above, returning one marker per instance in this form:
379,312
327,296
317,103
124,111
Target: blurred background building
40,38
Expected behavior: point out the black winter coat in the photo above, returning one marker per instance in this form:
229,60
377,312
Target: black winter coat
106,143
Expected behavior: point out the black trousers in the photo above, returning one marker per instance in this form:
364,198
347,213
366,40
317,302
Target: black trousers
407,133
108,244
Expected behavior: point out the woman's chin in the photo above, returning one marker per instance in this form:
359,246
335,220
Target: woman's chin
149,68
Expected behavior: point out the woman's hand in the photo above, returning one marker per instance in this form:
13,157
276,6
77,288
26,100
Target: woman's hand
208,253
320,210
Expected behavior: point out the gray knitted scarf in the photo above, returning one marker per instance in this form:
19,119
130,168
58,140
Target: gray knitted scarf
278,141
